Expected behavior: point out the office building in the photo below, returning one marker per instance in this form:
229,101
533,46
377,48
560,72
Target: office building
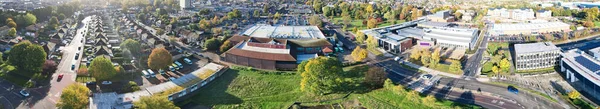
516,14
185,4
441,16
528,28
543,14
581,71
536,55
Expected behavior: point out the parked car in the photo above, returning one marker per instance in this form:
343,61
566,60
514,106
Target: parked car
161,71
24,93
171,68
60,76
73,67
187,61
106,82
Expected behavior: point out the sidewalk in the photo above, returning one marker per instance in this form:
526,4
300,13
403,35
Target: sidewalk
430,71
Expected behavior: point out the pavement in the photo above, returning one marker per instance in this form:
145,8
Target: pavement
471,67
49,95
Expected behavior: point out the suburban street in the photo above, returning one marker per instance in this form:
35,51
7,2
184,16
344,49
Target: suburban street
474,62
51,94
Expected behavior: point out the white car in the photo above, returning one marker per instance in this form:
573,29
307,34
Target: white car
24,93
106,82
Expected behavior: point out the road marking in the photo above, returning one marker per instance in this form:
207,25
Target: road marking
11,106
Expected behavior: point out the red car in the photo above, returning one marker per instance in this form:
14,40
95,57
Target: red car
60,76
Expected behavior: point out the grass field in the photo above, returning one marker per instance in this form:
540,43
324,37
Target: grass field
249,89
359,23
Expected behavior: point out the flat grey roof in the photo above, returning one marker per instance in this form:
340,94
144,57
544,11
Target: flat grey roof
527,26
595,50
583,64
535,47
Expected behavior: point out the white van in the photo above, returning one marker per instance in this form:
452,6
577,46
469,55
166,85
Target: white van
145,74
152,73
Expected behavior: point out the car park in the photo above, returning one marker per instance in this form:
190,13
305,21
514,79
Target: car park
161,71
146,74
188,61
178,64
151,73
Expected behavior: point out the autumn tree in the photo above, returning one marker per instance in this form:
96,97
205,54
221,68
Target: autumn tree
574,94
11,23
225,46
49,67
360,37
588,24
504,64
496,70
102,69
435,58
319,75
415,54
425,57
74,96
12,32
159,58
371,42
155,102
429,101
359,54
27,56
455,66
315,20
372,23
375,77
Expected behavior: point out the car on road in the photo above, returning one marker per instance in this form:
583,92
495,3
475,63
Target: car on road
76,56
73,67
426,76
60,76
106,82
513,89
79,48
24,93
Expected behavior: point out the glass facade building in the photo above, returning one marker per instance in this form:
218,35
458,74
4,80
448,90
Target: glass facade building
581,71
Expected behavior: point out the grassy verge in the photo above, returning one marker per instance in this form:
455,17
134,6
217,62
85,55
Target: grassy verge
543,70
358,23
250,89
529,90
83,79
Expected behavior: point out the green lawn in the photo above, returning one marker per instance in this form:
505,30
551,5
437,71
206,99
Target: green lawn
543,70
10,74
597,23
487,68
359,23
83,79
527,89
388,99
249,89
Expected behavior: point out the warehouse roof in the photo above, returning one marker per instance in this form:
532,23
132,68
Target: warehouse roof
527,26
285,32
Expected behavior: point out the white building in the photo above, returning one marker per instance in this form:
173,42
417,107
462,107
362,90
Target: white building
284,32
595,52
543,14
185,4
517,14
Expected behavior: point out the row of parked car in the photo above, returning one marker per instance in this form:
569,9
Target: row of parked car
173,67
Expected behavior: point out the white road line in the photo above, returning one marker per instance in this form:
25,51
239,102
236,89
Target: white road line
9,103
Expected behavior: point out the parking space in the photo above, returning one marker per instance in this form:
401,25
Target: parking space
177,69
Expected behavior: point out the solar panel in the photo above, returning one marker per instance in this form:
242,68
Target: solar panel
589,64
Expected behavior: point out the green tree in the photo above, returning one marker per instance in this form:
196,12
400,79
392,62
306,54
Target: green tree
235,13
372,23
154,102
315,20
74,96
455,66
27,56
53,23
62,16
11,23
212,44
320,74
375,77
359,54
317,5
574,94
256,14
225,46
388,84
390,16
29,19
12,32
327,11
159,58
132,45
429,101
591,13
102,69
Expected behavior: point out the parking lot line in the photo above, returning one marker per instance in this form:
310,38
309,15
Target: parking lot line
9,103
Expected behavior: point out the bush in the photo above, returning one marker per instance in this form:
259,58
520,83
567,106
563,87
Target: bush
351,64
28,84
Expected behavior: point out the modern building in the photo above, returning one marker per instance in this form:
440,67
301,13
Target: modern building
393,43
517,14
528,28
536,55
582,72
452,37
185,4
543,14
595,52
284,32
441,16
269,53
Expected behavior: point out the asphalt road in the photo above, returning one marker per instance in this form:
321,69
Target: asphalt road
404,76
10,97
474,62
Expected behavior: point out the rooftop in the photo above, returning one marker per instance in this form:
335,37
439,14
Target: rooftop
535,47
583,64
527,26
284,32
595,50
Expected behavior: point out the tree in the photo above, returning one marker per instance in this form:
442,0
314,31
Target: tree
360,37
359,54
317,5
159,58
435,58
11,23
53,24
159,31
372,23
455,66
29,19
375,77
154,102
390,16
235,13
591,14
549,37
415,54
425,57
412,96
415,14
315,20
504,64
132,45
62,16
327,11
27,56
496,70
266,8
256,14
429,101
49,67
371,42
458,15
320,74
74,96
370,9
12,32
574,94
588,24
225,46
102,69
212,44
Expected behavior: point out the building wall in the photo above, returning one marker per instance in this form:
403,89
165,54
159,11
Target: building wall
181,95
407,44
586,87
310,50
530,31
251,62
538,60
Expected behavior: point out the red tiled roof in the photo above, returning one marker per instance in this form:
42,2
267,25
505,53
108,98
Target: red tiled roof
327,50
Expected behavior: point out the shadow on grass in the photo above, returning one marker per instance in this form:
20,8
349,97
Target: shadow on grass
214,93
